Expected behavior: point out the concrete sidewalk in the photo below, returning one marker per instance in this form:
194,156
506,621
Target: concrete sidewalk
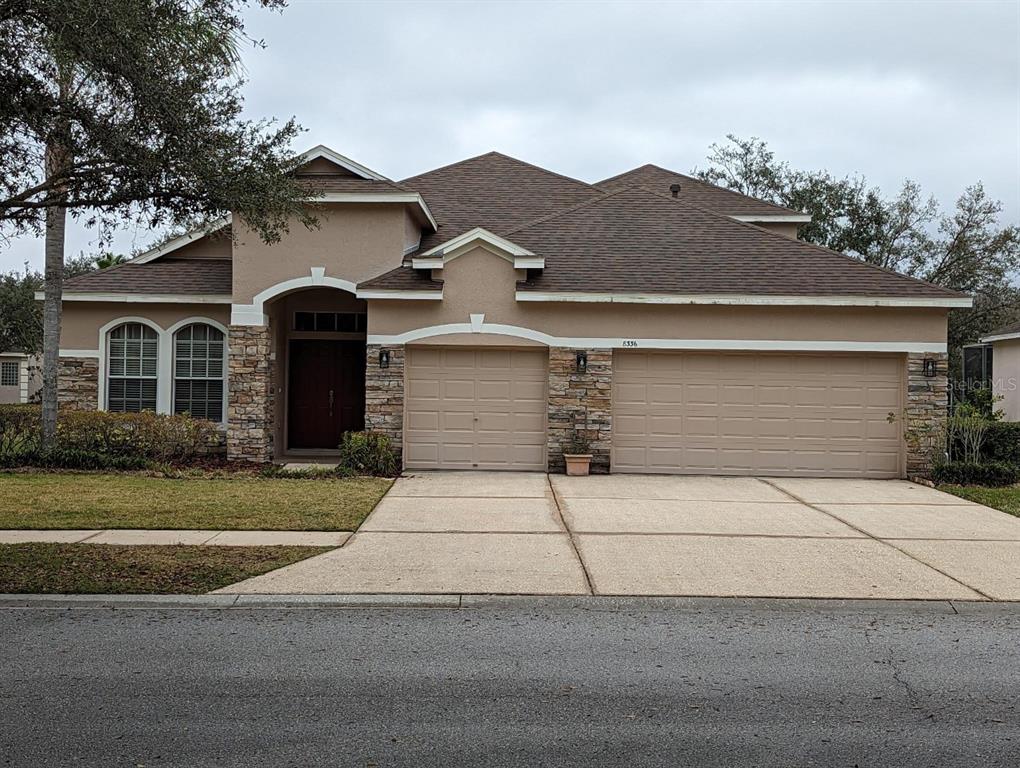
132,536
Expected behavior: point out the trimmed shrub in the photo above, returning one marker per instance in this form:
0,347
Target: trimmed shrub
1002,442
20,428
99,440
70,458
148,435
367,453
990,473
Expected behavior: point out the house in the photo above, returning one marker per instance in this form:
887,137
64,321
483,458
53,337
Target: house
1003,352
481,312
20,377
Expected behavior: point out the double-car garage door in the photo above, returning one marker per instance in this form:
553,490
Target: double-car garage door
805,414
757,414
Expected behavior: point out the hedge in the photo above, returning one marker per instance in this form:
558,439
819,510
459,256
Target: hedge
1002,442
989,473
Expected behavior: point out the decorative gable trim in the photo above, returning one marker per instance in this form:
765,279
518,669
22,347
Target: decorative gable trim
436,257
324,152
179,242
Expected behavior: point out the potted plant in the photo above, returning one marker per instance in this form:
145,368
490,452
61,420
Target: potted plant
577,454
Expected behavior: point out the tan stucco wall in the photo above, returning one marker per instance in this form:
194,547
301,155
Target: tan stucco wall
354,242
82,320
781,228
1006,377
480,282
212,246
29,378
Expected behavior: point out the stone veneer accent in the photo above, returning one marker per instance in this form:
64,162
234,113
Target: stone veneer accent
384,394
927,407
78,383
250,399
581,401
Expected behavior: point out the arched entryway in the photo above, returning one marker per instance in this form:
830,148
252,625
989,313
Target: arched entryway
319,344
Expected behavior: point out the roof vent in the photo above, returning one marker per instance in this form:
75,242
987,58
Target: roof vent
675,189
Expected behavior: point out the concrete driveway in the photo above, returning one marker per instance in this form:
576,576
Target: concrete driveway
529,533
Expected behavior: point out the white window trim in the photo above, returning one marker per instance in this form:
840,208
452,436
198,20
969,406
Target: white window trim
171,332
164,359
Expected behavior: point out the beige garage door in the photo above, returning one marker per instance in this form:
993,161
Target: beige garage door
475,408
757,413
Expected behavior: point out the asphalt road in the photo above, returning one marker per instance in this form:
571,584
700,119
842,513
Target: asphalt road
702,683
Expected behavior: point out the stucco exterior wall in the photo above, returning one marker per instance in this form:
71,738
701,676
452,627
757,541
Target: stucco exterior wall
82,320
1006,377
215,245
786,229
481,282
354,242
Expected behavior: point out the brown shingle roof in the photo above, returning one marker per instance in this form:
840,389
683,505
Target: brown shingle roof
637,241
167,275
495,192
1004,330
695,191
404,279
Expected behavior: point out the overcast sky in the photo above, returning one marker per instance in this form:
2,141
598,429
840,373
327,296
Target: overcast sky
923,90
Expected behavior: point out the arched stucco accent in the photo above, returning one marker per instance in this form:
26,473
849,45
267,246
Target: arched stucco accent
254,313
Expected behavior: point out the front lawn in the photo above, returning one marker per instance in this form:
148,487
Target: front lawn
1005,499
111,569
64,500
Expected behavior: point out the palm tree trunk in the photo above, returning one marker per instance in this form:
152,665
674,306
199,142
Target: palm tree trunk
56,222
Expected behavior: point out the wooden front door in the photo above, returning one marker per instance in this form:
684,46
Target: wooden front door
326,392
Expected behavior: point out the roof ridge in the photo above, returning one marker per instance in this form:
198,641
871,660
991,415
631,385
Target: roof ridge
508,157
802,243
696,180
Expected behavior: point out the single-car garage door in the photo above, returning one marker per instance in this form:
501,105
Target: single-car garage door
475,408
824,415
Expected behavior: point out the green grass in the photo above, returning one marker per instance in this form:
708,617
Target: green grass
65,500
1005,499
110,569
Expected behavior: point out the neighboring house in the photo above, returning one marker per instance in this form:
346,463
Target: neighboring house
482,311
20,378
1005,368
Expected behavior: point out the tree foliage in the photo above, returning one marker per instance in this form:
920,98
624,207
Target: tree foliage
966,249
150,124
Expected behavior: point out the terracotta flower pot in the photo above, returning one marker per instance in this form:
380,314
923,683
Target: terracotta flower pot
578,464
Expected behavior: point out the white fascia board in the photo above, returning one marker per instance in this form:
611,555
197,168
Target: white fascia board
142,298
749,300
180,242
389,293
321,150
778,218
478,234
407,198
721,345
999,337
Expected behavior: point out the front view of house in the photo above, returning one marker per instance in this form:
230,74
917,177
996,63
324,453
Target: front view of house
480,313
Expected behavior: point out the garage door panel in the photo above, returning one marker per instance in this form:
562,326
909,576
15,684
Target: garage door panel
475,408
768,413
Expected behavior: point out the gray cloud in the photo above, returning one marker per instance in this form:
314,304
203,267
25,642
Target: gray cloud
892,90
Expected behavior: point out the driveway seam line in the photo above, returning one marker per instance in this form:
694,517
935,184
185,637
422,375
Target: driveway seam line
570,537
875,538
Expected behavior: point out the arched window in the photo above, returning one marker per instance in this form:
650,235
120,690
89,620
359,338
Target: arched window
199,367
132,356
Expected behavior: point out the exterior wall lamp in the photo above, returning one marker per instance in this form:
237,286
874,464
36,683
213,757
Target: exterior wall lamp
929,367
384,358
582,361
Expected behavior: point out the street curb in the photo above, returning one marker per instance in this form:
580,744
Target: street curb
534,602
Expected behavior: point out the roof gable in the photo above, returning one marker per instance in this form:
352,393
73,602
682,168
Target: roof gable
344,165
495,192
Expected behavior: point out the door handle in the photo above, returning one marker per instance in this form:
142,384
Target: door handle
331,402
